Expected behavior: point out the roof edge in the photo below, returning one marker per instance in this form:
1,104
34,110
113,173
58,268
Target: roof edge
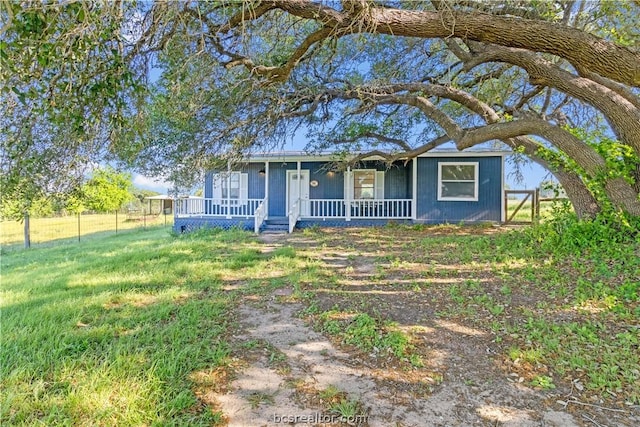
293,156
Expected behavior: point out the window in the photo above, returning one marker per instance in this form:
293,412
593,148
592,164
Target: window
458,181
231,187
364,184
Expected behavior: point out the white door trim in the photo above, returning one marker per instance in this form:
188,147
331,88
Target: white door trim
304,208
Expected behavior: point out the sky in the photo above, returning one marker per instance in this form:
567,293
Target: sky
150,183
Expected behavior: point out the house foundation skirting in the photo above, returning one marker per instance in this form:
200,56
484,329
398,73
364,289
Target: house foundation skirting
185,225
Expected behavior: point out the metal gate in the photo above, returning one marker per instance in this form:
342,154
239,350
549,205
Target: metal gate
532,196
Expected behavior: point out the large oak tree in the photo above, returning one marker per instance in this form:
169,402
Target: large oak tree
555,81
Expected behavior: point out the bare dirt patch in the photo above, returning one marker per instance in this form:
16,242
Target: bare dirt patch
446,299
289,365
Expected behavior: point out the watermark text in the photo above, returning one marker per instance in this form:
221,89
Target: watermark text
317,418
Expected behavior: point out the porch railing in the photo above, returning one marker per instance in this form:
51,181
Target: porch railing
303,208
294,215
260,215
370,208
229,208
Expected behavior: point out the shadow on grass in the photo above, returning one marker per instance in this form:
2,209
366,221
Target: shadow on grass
571,310
108,331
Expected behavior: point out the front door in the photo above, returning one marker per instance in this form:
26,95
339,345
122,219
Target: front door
298,189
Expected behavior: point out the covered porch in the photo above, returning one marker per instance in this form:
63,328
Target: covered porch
321,210
303,190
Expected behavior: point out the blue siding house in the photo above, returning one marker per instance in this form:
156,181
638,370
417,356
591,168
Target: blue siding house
294,190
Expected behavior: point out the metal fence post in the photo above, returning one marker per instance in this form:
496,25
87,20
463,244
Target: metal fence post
144,217
116,222
27,231
78,226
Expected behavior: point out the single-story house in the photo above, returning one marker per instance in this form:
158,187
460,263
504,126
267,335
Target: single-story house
294,190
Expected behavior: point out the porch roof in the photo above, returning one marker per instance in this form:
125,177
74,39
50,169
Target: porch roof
159,197
294,156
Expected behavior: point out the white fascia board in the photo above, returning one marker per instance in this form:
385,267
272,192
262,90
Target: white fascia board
301,157
466,154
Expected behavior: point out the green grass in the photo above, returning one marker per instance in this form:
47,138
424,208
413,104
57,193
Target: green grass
113,331
524,213
66,227
130,329
368,334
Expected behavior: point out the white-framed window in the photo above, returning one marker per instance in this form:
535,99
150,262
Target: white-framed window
458,181
232,186
364,184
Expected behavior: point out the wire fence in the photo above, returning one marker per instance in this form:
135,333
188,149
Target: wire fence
65,228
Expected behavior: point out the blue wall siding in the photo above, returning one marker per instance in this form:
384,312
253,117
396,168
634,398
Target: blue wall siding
330,185
208,185
397,181
255,183
398,185
488,206
278,187
256,180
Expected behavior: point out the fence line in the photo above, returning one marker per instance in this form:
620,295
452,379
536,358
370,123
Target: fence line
60,228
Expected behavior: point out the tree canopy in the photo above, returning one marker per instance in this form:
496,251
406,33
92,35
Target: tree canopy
557,82
107,190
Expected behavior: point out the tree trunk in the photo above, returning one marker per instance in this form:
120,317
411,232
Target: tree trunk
583,202
623,195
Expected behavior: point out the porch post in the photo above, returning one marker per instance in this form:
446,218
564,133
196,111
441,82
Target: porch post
347,194
503,213
414,189
266,187
228,189
299,185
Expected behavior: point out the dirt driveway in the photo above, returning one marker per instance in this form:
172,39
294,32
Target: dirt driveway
290,371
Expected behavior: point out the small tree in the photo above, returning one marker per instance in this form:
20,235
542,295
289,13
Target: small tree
107,190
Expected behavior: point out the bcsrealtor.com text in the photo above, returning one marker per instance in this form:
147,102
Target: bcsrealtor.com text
317,418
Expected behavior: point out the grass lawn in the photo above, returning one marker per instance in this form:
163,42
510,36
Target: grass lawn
66,227
524,213
115,331
133,329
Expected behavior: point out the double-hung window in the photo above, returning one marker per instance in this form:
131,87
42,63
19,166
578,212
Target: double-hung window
230,187
364,184
458,181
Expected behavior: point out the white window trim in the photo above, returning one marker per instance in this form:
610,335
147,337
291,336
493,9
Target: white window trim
475,181
227,180
217,181
378,184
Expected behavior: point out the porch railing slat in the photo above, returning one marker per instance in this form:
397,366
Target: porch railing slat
315,208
